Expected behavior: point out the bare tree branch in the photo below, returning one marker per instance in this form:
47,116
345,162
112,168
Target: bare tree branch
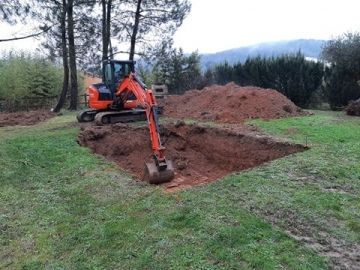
24,37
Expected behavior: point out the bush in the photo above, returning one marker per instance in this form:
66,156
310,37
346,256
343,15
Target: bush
28,77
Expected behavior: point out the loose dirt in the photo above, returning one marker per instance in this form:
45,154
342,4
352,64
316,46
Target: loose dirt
88,80
342,255
353,108
200,154
24,118
230,104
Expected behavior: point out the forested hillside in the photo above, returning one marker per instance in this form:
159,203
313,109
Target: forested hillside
308,47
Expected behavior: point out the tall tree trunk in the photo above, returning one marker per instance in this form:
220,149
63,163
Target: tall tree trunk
62,96
72,58
135,30
106,24
104,34
111,51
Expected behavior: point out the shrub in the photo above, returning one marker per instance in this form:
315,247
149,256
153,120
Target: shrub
28,76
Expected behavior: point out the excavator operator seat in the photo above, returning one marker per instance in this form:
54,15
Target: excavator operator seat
115,71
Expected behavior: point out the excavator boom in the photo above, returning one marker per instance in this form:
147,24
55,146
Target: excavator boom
158,170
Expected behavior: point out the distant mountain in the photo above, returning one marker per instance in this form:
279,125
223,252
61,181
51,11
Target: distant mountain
309,47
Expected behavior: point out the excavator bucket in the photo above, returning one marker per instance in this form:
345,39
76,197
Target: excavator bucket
156,175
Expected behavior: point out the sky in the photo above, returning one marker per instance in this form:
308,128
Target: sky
218,25
214,25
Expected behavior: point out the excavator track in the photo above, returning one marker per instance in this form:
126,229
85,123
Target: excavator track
104,118
86,115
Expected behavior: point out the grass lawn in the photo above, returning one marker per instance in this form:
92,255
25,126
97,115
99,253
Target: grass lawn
62,207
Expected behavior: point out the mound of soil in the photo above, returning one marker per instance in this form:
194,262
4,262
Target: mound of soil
353,108
199,154
24,118
230,104
88,80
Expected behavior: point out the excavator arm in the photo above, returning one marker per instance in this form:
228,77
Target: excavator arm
158,170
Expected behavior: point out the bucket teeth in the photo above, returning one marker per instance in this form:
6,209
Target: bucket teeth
155,175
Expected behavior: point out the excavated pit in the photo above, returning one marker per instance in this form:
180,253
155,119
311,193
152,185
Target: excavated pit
200,154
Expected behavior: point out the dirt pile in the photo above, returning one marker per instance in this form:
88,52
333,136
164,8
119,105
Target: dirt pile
24,118
230,104
353,108
199,154
88,80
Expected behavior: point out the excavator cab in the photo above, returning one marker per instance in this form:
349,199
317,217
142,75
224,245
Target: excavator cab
115,71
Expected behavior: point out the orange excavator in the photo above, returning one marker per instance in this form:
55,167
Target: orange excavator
122,97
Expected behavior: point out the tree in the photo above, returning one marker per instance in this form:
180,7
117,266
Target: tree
106,29
223,73
65,86
146,23
343,77
26,76
72,37
178,71
135,30
72,56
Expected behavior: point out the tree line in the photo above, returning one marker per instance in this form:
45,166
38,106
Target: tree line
291,75
333,79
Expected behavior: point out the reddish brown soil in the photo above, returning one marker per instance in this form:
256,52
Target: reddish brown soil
230,104
88,80
24,118
353,108
199,154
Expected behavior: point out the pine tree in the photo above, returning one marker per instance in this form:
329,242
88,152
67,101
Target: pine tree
146,23
71,37
178,71
342,79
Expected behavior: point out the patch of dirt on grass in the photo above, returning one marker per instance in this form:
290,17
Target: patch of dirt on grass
24,118
230,104
200,154
342,255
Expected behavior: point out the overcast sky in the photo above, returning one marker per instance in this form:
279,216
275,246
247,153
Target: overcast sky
219,25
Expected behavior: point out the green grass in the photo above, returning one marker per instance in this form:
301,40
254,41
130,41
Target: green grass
321,185
62,207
